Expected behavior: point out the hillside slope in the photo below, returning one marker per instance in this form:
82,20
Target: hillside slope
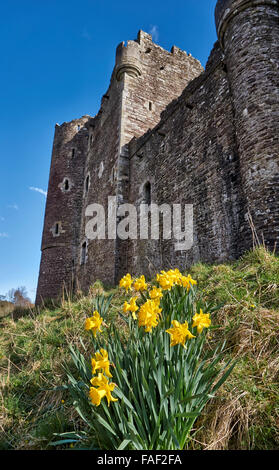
244,414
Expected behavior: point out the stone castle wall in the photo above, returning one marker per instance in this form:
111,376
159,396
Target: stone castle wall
207,138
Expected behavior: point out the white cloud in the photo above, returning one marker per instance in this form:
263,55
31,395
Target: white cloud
39,190
4,235
154,32
13,206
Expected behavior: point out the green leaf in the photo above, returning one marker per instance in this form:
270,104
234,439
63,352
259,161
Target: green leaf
124,444
190,414
105,424
224,377
199,395
63,441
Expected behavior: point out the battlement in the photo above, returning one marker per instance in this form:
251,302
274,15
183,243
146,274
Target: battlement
131,56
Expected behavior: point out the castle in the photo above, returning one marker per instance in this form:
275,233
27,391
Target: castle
170,132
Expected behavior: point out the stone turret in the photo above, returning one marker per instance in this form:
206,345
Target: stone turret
248,31
128,60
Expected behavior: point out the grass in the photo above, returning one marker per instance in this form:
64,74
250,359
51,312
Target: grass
244,414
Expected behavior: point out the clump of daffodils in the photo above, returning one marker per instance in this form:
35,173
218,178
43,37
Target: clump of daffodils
156,374
150,312
147,312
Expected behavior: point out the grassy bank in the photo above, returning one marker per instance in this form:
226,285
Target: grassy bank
244,414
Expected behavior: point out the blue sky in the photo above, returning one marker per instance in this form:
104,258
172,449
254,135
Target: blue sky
57,58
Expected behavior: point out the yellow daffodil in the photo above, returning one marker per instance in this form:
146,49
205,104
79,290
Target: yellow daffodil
179,333
187,281
165,280
126,282
156,293
126,307
101,361
201,320
94,323
168,279
149,315
131,307
96,395
104,389
140,284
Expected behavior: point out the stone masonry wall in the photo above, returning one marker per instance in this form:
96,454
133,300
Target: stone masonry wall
191,158
249,34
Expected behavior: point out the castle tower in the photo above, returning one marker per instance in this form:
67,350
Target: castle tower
60,239
91,163
145,79
248,31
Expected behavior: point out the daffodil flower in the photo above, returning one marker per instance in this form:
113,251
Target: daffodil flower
140,284
101,361
104,389
201,320
179,333
94,323
126,282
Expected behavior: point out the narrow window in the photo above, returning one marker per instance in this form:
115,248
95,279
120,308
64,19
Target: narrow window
73,153
66,185
87,183
78,127
150,105
83,253
56,229
147,193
